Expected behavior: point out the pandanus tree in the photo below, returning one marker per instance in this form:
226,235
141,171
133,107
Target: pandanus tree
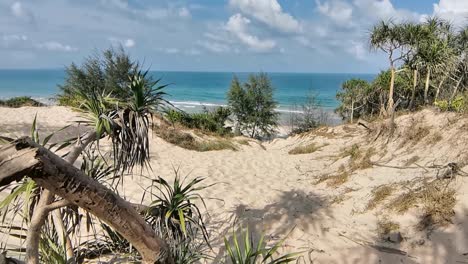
127,124
435,52
412,35
461,65
389,38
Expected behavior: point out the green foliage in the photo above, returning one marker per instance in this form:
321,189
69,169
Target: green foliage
174,209
354,95
244,250
253,105
20,101
308,115
101,74
209,121
459,104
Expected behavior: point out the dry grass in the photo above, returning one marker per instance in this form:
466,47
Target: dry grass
438,204
379,194
386,226
404,202
437,201
187,141
304,149
434,138
354,152
361,162
415,134
337,180
244,142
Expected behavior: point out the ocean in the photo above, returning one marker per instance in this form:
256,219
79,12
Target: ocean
191,90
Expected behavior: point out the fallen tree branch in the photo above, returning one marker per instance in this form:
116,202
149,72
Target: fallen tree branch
24,157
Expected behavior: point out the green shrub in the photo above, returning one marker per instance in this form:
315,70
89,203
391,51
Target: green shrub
244,250
208,121
20,101
253,106
106,73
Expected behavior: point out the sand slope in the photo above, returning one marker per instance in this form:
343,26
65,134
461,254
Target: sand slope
271,191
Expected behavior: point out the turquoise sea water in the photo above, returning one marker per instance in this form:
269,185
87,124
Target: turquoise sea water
191,89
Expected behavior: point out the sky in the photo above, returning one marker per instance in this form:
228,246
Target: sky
209,35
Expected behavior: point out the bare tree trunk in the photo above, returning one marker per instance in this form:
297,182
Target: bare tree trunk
426,87
438,88
24,157
413,92
455,90
39,216
392,84
352,111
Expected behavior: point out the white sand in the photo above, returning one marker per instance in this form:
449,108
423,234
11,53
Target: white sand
271,191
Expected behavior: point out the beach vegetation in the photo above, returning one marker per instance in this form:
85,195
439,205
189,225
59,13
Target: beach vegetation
427,66
386,226
187,140
105,73
244,249
20,101
308,115
379,194
211,121
253,106
304,149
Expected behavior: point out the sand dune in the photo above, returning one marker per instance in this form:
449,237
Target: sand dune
271,191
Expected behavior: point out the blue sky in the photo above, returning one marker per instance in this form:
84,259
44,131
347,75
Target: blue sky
209,35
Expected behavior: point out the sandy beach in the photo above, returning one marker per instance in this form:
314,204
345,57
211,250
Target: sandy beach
272,192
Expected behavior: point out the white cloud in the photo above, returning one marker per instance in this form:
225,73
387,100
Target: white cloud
19,11
127,43
268,12
56,46
375,10
171,50
184,12
338,11
453,10
192,52
237,25
358,50
214,46
15,37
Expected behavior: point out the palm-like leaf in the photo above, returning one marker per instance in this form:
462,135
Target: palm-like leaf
246,251
173,204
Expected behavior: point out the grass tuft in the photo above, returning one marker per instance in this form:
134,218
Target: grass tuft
386,226
415,134
187,141
304,149
337,180
379,194
437,200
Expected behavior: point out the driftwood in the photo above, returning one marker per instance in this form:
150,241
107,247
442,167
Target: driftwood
23,157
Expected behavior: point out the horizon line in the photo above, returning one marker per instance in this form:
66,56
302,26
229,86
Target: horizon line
202,71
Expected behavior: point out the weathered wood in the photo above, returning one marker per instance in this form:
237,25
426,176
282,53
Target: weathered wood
51,172
15,163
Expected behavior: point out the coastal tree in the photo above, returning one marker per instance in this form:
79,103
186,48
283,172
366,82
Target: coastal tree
389,38
308,115
352,95
435,52
253,105
105,72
